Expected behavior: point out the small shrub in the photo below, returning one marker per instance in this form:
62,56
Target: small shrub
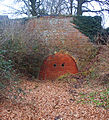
9,79
5,66
26,63
6,74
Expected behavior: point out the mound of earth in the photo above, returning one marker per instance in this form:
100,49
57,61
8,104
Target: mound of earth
54,100
45,35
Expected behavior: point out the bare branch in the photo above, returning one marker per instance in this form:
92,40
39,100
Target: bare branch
96,10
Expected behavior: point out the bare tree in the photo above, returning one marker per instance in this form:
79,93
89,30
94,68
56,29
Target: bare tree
31,7
71,6
83,6
55,6
79,6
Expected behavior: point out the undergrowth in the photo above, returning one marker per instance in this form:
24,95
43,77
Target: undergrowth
92,28
18,56
8,77
99,99
23,61
88,25
5,67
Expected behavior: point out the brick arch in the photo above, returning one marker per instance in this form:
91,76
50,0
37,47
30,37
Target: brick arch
56,65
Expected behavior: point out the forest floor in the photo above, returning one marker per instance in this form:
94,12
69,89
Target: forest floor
62,99
53,100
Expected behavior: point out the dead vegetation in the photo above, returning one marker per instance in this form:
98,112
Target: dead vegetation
49,100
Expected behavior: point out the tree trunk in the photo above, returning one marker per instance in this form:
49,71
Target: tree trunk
71,7
33,7
79,7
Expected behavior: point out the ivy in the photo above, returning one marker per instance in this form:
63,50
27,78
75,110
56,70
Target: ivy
88,25
5,65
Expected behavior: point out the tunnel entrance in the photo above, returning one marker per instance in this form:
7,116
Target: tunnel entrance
56,65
